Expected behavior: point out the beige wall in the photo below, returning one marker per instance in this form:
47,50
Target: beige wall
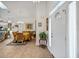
40,18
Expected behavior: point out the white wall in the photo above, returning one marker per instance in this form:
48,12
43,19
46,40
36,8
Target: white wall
72,30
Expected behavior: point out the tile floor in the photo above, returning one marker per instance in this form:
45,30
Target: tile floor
30,50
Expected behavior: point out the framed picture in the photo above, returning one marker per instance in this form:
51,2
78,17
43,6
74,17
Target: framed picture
29,26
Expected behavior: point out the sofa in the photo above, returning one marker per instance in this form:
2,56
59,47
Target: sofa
2,35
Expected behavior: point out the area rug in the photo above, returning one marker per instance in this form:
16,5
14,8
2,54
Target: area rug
12,43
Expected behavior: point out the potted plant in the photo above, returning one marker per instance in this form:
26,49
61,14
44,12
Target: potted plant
43,38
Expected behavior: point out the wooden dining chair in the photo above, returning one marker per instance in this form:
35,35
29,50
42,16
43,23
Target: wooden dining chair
26,35
20,37
15,36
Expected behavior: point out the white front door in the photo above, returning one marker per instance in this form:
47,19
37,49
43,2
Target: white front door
58,33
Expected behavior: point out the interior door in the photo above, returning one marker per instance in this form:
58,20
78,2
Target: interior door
58,33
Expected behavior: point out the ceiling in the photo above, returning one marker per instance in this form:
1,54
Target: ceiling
27,9
21,8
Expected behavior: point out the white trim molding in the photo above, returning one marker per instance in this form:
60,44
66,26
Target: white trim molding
58,6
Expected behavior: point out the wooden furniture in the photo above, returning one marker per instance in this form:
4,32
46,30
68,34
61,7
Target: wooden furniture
27,35
15,36
24,36
34,35
20,37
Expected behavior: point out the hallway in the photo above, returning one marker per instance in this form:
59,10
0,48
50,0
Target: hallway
30,50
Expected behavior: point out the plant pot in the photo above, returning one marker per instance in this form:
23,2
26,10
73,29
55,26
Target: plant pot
42,42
